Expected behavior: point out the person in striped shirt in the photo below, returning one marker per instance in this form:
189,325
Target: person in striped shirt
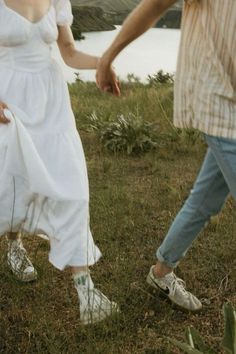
205,99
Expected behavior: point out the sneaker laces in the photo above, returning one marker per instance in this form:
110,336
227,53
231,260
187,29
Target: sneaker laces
18,256
179,284
94,296
102,298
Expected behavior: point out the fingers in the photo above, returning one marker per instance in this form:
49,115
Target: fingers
107,88
113,86
3,118
106,80
116,88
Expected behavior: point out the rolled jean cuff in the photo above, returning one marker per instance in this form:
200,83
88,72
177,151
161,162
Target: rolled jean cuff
161,259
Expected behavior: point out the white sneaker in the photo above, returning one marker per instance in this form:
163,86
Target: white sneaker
94,305
19,263
174,288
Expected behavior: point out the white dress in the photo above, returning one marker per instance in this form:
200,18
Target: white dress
43,176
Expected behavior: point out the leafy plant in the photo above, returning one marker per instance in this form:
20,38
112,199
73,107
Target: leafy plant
94,123
160,78
229,341
195,343
133,79
77,78
130,134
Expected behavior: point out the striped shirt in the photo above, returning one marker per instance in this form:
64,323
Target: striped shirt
205,84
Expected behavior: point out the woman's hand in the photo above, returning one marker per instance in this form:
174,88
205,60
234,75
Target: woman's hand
3,118
106,78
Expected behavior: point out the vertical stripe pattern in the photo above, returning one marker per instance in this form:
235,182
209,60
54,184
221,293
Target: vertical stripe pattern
205,85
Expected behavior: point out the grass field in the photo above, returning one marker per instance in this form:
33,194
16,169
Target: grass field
133,201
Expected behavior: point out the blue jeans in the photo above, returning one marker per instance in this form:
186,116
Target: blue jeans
215,181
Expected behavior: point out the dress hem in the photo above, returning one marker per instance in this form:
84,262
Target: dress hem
61,266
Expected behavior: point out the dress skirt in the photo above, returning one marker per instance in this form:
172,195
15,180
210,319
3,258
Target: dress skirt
43,176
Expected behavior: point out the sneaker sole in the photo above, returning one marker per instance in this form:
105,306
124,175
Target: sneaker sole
28,279
87,319
161,294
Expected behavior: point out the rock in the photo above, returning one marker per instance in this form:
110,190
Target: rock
88,19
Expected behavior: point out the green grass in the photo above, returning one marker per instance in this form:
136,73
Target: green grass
133,201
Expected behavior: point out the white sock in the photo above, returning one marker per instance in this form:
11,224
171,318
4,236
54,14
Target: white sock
84,279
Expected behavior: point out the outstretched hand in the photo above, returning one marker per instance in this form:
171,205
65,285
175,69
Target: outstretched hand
106,78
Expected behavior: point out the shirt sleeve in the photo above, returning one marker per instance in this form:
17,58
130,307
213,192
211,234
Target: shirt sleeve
64,15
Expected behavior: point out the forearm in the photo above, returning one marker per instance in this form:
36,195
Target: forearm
79,60
139,21
71,56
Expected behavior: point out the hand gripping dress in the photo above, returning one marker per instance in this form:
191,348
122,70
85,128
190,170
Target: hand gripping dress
43,176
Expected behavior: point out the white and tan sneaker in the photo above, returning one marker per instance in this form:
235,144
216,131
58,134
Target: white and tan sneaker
94,305
173,288
19,263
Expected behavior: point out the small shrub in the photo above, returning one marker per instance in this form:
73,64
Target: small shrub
93,123
77,78
133,79
129,134
196,345
160,78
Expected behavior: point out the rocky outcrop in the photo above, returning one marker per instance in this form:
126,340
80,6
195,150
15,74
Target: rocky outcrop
116,6
88,19
100,15
172,19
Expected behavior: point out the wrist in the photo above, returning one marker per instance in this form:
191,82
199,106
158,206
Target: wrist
96,62
105,61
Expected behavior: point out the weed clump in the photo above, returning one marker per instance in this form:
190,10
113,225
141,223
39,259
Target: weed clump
195,343
160,78
128,134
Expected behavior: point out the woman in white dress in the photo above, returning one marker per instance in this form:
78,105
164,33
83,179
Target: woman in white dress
43,177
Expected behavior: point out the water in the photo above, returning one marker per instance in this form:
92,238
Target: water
157,49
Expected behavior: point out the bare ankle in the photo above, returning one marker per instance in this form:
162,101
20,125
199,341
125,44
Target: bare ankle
76,270
161,269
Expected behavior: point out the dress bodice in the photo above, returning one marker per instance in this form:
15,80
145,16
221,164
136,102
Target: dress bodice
25,45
